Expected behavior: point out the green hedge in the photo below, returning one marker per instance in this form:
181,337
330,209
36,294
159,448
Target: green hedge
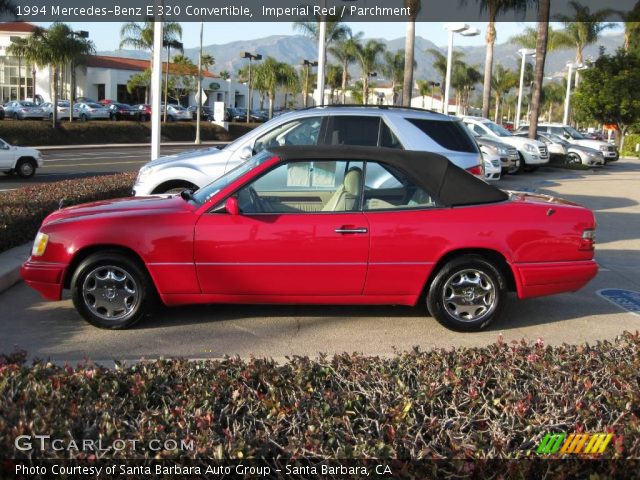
493,402
630,142
41,133
22,210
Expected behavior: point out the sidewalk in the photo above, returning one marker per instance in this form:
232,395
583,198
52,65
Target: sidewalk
10,262
128,145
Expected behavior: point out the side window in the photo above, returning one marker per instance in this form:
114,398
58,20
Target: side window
448,134
388,138
305,187
303,131
386,188
353,130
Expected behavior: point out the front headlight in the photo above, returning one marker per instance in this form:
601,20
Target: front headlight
40,244
530,148
144,173
603,148
503,151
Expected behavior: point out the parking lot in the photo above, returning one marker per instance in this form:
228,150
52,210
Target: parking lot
54,330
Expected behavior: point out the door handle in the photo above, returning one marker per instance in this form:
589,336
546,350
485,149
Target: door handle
352,230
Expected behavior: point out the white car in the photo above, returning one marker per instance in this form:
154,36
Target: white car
20,160
177,113
373,126
492,166
532,152
570,134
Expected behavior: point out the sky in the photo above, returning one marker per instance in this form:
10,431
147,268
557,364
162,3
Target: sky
106,36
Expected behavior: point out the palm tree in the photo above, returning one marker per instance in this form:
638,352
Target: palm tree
207,61
56,47
440,63
368,58
393,69
334,79
552,94
463,79
272,74
494,8
345,51
289,81
542,43
557,39
409,48
631,28
19,49
585,27
225,75
139,36
502,81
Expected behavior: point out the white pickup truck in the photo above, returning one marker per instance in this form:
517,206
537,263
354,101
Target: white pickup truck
20,160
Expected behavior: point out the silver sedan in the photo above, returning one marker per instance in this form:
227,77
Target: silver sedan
23,110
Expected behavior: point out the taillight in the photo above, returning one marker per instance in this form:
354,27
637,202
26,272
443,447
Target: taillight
477,170
588,240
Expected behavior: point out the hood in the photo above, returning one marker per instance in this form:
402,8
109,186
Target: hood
491,142
121,206
583,148
595,144
520,142
191,157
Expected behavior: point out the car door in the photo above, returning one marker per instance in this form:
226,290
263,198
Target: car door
406,231
300,232
7,156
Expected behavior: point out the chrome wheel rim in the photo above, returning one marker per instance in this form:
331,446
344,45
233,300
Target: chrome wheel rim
110,293
469,295
574,159
26,168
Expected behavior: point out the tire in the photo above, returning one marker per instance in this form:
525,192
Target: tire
26,167
574,159
521,166
170,118
127,293
83,118
16,117
475,276
113,118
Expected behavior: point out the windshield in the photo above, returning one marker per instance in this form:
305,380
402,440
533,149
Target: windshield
94,105
205,193
573,133
497,129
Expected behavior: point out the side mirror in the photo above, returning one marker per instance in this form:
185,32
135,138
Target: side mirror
231,206
246,153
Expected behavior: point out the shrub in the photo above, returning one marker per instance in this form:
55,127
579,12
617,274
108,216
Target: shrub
469,403
630,142
39,133
22,210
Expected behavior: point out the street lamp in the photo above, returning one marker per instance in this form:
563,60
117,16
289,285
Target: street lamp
567,100
523,52
251,57
307,64
462,29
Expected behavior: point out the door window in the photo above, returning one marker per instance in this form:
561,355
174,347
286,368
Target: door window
447,134
361,131
303,131
305,187
386,188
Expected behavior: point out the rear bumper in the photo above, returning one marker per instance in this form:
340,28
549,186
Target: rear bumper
44,277
538,279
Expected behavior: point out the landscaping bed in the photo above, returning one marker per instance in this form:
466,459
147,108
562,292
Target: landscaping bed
22,210
41,133
467,403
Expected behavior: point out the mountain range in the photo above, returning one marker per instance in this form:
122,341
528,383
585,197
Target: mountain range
294,48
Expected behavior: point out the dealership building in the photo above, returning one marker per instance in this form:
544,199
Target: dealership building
100,77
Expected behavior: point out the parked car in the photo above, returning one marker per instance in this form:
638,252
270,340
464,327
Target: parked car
318,225
237,114
23,110
90,111
122,111
610,152
575,153
22,161
401,128
63,109
506,154
85,100
106,101
492,168
206,113
144,112
176,113
1,112
532,153
259,116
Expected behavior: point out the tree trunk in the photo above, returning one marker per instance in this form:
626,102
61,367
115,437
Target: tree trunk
72,97
407,85
345,75
623,130
54,110
20,77
365,90
272,96
541,55
488,63
497,108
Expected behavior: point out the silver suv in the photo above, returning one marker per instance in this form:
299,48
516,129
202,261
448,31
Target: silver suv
403,128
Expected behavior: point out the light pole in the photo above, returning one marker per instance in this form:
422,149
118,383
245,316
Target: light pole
567,99
462,29
156,87
307,64
251,57
199,107
523,52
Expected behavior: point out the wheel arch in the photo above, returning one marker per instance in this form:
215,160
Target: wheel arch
169,184
496,258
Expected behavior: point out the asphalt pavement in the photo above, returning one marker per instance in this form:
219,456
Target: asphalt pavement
55,331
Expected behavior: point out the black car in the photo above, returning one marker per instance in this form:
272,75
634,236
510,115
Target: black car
205,114
122,111
1,112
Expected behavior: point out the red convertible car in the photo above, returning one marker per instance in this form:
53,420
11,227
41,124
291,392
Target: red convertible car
318,225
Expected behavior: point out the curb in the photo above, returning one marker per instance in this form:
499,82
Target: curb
10,263
127,145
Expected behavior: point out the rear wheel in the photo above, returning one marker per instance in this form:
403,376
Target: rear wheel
26,167
111,291
467,294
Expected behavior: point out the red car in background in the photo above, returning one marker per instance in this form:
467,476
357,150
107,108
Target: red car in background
144,112
318,225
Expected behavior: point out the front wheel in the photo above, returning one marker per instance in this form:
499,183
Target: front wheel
574,159
467,294
26,168
111,291
83,118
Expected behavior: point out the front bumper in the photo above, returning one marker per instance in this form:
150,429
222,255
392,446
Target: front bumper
44,277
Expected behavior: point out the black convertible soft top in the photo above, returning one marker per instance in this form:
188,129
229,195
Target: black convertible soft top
450,184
